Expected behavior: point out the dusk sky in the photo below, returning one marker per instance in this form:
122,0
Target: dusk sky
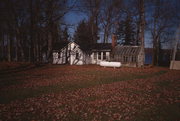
73,18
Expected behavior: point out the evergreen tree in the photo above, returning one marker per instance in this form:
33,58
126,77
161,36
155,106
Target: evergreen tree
83,37
65,35
126,31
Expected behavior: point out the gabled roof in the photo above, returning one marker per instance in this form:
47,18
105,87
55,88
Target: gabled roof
95,47
61,46
127,50
101,46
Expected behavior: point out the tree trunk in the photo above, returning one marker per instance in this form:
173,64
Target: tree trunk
154,47
16,49
67,54
158,50
40,48
49,46
142,29
156,40
37,51
176,43
17,44
8,48
29,54
21,51
2,46
105,35
31,32
34,49
137,32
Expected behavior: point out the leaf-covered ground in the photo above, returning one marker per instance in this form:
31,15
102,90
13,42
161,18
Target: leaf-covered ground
88,93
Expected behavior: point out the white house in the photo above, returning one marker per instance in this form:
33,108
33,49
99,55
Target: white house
71,53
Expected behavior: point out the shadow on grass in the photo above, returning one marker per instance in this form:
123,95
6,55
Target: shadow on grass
21,94
22,67
162,112
11,76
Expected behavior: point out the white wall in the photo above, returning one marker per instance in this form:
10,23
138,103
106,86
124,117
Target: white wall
97,60
73,49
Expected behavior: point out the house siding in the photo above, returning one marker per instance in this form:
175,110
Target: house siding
68,55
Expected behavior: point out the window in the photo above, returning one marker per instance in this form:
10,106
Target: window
95,55
77,55
125,58
104,55
74,47
59,56
133,59
99,55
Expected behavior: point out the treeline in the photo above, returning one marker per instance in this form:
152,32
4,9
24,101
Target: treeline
30,28
131,21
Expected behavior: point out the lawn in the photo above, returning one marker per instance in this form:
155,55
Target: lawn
86,93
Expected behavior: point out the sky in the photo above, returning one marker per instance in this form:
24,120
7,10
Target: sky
73,18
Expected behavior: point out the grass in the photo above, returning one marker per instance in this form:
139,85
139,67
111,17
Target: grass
14,75
130,101
161,112
164,83
21,94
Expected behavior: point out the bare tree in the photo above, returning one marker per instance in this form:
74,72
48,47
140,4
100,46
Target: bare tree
109,16
28,24
142,27
160,22
8,21
54,11
92,9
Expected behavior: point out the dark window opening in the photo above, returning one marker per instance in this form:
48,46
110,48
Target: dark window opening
77,55
125,58
104,55
134,60
59,55
74,47
95,55
99,55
